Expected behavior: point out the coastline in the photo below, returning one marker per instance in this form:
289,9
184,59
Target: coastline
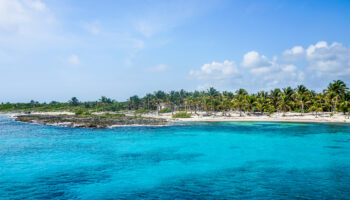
251,117
199,117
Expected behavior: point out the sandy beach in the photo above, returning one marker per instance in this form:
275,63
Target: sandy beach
235,116
229,116
283,117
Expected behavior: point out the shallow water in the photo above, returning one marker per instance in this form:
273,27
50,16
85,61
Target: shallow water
220,160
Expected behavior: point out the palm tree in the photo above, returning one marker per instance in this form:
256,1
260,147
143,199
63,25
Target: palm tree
335,98
285,103
344,106
288,92
134,102
226,104
160,97
251,102
213,94
261,104
147,101
74,101
240,100
301,96
317,104
206,101
275,96
286,98
336,91
197,100
189,102
172,99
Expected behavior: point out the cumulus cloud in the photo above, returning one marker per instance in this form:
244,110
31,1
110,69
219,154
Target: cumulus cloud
332,61
253,59
216,71
317,63
294,54
74,60
329,60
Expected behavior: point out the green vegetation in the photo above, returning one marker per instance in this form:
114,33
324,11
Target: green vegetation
111,116
141,111
79,111
182,115
335,98
165,110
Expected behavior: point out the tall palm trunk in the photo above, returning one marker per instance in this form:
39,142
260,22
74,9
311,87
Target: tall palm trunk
302,108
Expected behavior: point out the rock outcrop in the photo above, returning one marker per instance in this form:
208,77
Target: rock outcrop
92,121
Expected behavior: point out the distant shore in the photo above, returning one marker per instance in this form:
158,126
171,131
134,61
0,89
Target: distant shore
277,117
89,121
65,118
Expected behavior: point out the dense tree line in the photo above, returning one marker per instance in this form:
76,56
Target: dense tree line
335,98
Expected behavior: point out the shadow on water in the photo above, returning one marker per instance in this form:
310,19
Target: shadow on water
250,182
58,184
216,160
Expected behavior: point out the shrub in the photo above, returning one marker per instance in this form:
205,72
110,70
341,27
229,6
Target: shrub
86,113
331,114
182,115
109,115
165,110
78,111
141,111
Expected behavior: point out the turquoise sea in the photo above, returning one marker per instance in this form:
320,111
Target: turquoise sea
221,160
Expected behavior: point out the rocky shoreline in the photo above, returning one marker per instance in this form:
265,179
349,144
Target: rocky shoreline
93,122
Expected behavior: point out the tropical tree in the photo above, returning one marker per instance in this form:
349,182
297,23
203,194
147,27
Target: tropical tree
317,104
275,97
301,96
74,101
134,102
345,104
240,100
160,97
335,92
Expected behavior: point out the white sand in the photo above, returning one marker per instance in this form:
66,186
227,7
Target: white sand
233,116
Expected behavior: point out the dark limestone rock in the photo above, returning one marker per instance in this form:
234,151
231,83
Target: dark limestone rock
93,121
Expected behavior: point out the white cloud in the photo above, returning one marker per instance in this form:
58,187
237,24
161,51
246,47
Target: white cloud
24,17
332,61
216,71
273,75
313,48
329,60
74,60
294,54
253,59
260,70
317,63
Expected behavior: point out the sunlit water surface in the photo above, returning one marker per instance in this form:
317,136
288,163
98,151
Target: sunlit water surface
238,160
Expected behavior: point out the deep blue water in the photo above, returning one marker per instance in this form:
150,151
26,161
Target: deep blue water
240,160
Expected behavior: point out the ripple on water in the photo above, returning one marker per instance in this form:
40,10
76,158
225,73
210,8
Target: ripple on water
221,160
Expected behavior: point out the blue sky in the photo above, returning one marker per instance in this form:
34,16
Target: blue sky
56,49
